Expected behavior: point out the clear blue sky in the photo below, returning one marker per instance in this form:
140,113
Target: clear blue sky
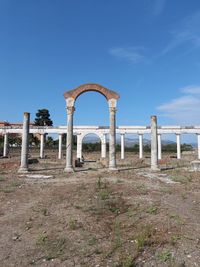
146,50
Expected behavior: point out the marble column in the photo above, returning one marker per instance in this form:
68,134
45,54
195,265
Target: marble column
25,144
178,141
69,148
42,146
112,139
122,145
103,146
159,147
60,146
5,146
198,145
79,146
154,144
140,146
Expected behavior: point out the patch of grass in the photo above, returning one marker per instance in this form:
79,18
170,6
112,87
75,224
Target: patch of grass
142,189
178,177
7,189
164,256
92,241
127,261
152,210
117,242
177,218
143,237
104,194
174,239
73,225
101,184
2,179
52,247
45,211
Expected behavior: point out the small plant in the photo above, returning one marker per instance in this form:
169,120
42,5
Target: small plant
73,224
174,239
143,238
127,261
142,189
117,243
41,239
104,194
164,256
152,210
45,211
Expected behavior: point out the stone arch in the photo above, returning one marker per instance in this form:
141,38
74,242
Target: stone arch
80,138
111,98
75,93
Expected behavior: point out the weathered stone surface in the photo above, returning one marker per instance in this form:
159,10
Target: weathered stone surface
195,165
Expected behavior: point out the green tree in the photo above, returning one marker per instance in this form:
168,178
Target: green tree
43,118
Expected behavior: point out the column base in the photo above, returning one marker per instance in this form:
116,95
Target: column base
69,169
113,169
23,170
155,168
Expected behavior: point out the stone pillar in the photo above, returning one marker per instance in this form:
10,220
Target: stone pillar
154,144
5,146
140,146
122,145
25,144
112,139
42,146
79,146
178,141
60,146
69,148
103,146
198,145
159,147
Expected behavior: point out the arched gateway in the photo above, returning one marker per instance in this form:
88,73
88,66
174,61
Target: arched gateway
71,97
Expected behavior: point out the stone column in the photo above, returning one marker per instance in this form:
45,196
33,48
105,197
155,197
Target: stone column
159,147
5,146
154,144
69,148
60,146
140,146
112,139
42,146
178,141
122,145
198,145
25,144
103,146
79,146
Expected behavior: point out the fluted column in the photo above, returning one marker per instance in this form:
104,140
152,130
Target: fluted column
103,146
79,146
198,145
42,146
5,146
154,144
60,146
159,147
178,141
112,140
140,146
69,148
122,145
25,144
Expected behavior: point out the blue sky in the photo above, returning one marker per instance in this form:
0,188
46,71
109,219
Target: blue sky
146,50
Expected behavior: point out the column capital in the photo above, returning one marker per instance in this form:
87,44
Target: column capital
70,110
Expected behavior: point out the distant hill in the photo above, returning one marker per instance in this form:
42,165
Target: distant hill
129,142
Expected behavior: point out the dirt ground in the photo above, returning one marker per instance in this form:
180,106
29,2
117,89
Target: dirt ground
93,217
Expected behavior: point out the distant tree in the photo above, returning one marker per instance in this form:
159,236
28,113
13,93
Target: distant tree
49,141
43,118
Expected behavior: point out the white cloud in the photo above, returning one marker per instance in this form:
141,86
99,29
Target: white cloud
185,109
187,32
130,54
